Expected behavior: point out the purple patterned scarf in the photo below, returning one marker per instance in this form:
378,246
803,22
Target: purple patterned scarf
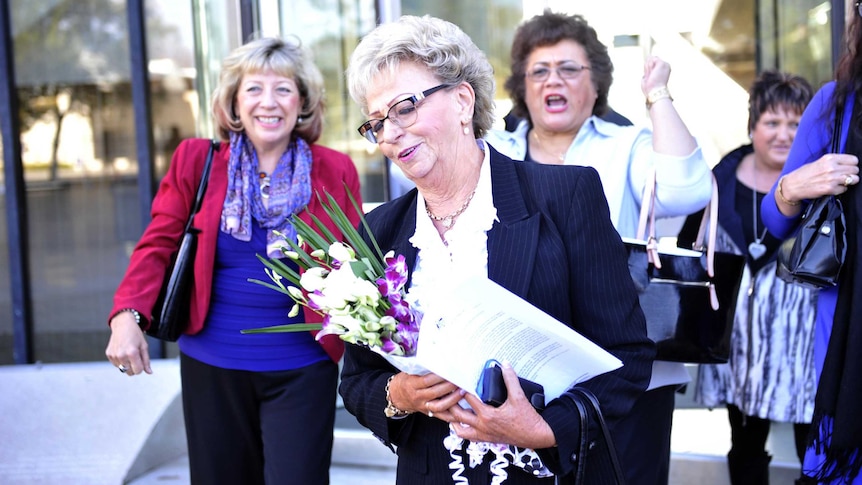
290,192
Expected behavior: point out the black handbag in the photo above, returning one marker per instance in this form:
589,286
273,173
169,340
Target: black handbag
587,404
687,296
814,255
171,311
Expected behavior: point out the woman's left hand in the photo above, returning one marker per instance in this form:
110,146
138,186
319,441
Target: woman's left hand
656,74
515,422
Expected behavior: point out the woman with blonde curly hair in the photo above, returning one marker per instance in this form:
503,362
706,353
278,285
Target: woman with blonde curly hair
258,408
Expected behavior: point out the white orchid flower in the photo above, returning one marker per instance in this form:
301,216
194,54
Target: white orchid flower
295,293
294,311
313,279
342,252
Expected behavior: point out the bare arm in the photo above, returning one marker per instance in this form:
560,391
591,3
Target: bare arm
670,135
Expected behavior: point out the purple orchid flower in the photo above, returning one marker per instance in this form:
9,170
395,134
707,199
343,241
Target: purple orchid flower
396,271
312,300
388,345
401,311
409,335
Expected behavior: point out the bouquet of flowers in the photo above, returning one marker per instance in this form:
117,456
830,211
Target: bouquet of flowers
357,290
360,293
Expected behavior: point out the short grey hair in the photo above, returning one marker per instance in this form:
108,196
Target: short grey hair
439,45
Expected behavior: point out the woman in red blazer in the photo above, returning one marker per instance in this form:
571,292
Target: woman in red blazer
271,395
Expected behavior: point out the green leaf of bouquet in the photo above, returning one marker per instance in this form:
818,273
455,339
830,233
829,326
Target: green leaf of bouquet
351,234
269,285
305,260
322,229
279,266
360,270
364,222
291,327
311,237
370,275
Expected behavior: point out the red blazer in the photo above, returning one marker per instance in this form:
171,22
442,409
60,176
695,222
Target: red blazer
140,286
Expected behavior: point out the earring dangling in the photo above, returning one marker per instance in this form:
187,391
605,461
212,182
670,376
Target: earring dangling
466,130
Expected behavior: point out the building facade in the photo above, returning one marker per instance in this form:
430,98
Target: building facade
97,94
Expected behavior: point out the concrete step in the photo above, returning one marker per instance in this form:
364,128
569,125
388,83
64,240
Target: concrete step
87,424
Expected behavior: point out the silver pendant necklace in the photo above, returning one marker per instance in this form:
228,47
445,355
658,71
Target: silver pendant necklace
265,181
756,249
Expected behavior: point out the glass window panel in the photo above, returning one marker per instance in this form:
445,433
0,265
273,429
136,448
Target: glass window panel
78,149
72,67
489,23
331,29
6,342
796,37
173,95
217,32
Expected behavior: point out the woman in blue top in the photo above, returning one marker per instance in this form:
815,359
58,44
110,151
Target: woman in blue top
258,409
810,172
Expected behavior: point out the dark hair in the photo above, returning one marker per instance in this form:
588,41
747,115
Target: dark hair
848,74
548,29
775,89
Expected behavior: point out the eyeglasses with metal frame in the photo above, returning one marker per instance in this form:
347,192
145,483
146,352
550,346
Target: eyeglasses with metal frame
403,114
566,70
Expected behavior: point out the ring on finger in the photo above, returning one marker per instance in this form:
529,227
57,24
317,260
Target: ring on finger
848,180
122,368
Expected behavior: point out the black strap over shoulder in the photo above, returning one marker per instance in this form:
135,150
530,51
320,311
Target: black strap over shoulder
587,403
205,177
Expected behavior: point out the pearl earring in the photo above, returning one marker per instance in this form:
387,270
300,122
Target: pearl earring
466,130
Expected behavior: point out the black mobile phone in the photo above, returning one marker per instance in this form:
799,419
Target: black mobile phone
492,388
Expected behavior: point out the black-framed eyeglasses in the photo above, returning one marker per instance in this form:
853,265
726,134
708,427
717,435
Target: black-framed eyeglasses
403,114
566,70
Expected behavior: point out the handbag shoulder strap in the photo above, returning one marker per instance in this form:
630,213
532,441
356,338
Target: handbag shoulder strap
202,186
647,201
708,229
646,220
710,212
585,401
836,130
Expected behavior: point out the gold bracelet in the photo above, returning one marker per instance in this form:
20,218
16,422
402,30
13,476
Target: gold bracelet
390,410
781,194
657,94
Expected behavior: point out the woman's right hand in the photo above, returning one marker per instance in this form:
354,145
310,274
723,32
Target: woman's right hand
127,346
412,393
831,174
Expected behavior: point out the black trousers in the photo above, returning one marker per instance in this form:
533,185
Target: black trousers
642,438
249,428
748,436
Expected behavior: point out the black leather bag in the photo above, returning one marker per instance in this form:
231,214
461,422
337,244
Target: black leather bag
814,255
687,296
587,404
171,311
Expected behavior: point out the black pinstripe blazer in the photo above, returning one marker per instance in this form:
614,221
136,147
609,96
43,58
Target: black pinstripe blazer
555,246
